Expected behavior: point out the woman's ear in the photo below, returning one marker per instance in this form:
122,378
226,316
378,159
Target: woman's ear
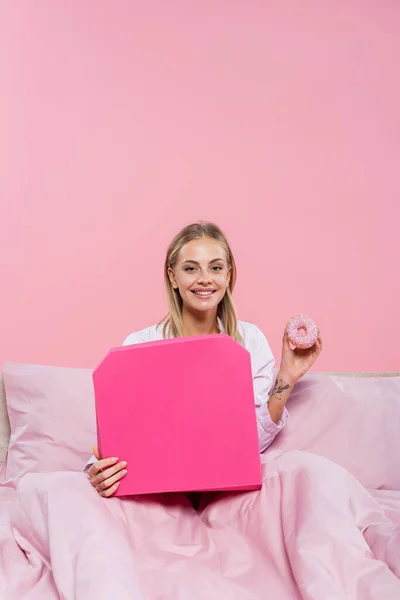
172,278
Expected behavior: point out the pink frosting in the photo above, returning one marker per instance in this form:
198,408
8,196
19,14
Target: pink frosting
302,331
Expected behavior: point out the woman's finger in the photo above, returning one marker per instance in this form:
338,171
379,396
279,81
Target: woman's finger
104,463
107,473
317,347
94,470
110,481
285,341
110,491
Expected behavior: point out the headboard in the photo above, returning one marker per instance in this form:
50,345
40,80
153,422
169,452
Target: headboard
4,422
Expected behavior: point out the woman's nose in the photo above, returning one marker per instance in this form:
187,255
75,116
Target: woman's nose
204,277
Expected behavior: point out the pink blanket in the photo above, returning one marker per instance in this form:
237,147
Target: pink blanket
325,526
312,533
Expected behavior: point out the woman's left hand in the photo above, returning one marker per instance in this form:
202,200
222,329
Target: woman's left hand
295,363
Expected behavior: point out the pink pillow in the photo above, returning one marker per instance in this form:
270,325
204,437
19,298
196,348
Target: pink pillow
52,418
354,421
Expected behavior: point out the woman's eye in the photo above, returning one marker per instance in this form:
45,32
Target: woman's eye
214,268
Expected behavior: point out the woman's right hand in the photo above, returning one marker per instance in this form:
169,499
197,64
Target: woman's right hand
106,473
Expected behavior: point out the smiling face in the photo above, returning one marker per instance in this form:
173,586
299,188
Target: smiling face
201,274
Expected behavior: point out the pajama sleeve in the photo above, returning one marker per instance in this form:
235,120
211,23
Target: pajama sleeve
263,380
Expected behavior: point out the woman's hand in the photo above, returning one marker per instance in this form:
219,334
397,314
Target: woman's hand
106,473
295,363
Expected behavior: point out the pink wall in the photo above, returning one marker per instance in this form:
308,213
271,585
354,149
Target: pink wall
120,122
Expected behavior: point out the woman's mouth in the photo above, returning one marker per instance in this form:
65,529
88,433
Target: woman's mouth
203,293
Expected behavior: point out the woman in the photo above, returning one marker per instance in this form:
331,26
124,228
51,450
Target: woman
311,532
200,275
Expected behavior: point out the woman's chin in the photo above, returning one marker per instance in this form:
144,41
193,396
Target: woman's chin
199,305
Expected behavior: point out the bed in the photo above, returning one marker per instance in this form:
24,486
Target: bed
326,525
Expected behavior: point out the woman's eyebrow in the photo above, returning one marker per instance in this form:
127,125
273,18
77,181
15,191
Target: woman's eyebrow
194,262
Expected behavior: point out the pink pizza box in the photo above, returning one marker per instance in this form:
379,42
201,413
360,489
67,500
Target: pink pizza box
181,412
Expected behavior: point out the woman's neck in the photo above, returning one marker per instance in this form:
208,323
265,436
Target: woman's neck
199,324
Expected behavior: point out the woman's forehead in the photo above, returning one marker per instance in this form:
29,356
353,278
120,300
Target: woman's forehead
204,249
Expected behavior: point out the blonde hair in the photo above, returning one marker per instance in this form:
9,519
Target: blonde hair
172,323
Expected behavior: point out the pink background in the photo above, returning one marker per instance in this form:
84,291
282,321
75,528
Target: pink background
120,122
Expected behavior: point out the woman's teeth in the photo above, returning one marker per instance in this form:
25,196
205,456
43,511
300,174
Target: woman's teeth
203,293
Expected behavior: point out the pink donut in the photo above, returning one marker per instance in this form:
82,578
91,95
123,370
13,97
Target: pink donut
302,331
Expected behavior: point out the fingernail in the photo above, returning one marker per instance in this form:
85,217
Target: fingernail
115,458
124,472
124,463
